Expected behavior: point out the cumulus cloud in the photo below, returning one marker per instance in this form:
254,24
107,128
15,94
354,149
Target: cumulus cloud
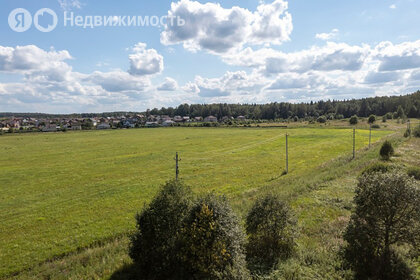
381,77
218,30
397,57
191,88
48,81
30,58
231,83
67,5
118,81
330,57
168,85
145,61
327,36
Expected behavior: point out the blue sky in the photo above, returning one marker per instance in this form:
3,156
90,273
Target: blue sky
227,51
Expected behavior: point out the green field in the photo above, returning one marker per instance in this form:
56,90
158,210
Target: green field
63,191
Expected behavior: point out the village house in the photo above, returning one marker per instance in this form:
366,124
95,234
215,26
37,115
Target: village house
103,125
178,119
210,119
50,127
168,122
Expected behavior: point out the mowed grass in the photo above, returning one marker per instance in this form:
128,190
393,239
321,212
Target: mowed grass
63,191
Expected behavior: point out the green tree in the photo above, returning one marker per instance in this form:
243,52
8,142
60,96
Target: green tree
386,150
353,120
387,216
271,231
400,112
321,119
371,119
155,245
213,242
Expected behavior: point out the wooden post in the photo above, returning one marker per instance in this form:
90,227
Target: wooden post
176,166
354,142
287,155
370,134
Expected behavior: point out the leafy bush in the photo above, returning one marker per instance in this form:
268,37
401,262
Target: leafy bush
386,150
271,232
321,119
154,246
353,120
407,132
376,167
212,242
416,131
400,112
384,118
389,115
414,172
371,119
374,232
376,126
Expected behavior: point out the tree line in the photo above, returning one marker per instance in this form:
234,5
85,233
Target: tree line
364,107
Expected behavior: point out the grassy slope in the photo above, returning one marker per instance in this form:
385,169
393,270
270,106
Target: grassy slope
64,199
322,205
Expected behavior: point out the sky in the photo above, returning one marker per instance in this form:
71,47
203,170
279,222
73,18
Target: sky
99,56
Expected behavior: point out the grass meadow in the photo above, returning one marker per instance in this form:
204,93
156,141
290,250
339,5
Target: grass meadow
64,191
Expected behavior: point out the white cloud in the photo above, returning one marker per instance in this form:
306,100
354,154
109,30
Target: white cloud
191,88
118,81
397,57
168,85
381,77
30,58
145,61
70,4
327,36
218,30
332,56
393,6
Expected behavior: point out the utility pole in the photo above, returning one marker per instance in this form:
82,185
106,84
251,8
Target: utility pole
354,143
370,134
287,155
177,159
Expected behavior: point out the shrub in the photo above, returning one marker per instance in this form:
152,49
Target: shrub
374,233
386,150
416,131
371,119
384,118
353,120
389,115
270,229
407,132
155,244
321,119
376,126
212,242
414,172
400,112
376,167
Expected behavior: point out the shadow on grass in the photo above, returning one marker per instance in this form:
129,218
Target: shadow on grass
127,272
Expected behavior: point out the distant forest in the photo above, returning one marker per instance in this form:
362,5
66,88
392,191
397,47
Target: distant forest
364,107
